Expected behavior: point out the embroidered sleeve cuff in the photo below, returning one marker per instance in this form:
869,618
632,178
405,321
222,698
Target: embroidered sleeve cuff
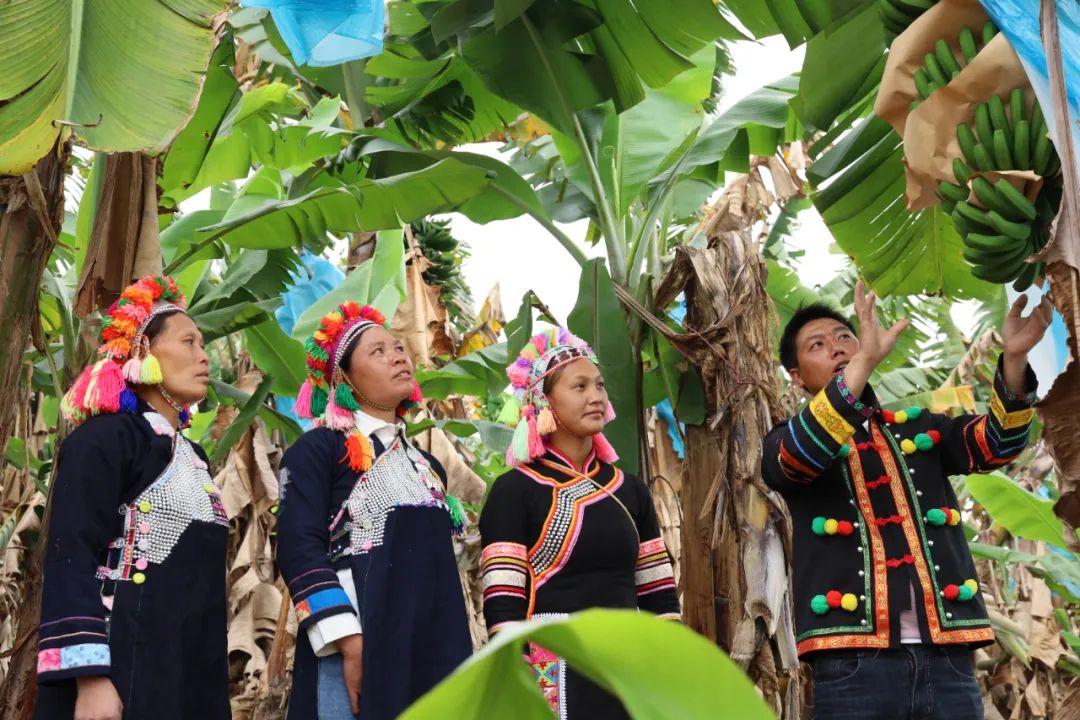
1009,399
323,604
865,410
323,633
69,661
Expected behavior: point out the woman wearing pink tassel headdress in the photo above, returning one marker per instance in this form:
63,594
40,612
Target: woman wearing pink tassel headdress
133,614
566,530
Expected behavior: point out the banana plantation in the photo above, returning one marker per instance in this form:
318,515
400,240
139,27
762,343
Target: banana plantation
706,168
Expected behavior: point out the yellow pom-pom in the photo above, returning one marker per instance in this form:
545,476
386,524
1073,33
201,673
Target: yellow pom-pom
974,585
907,446
900,416
830,526
954,517
849,602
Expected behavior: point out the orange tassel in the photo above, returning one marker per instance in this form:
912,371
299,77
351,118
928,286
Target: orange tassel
358,452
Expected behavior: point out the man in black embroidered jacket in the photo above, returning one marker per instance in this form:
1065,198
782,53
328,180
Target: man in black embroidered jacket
887,604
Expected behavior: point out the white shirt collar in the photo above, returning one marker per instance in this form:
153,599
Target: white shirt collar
377,428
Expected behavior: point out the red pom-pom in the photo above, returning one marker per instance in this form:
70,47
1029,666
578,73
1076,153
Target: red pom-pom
350,309
833,597
934,435
844,528
951,592
888,416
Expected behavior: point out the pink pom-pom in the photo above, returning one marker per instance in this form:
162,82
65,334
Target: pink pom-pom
302,407
603,449
133,370
75,399
337,417
519,376
103,394
609,414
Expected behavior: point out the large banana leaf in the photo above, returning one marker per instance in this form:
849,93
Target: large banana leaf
1019,511
659,670
123,75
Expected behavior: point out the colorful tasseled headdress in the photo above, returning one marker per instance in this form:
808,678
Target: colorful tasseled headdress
124,356
327,396
543,355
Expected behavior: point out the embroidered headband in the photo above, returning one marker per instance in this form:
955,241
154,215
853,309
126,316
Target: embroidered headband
542,356
124,357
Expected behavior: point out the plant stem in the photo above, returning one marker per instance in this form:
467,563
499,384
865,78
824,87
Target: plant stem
612,236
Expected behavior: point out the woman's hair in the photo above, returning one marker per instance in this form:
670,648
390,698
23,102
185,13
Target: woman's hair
156,326
346,357
550,380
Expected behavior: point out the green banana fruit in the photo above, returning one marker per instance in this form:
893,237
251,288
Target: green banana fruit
983,161
988,32
1017,106
892,15
924,84
973,215
998,119
1038,122
965,136
946,58
997,273
952,191
984,129
1020,204
967,44
1022,145
990,199
915,7
934,69
1043,149
1002,154
992,244
1026,277
1012,258
960,171
1017,230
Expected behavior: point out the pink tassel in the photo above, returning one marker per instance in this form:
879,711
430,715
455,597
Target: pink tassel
416,396
133,370
75,399
609,414
536,442
103,395
302,407
603,449
337,417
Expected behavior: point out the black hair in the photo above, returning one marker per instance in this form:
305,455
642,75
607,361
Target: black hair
805,314
156,326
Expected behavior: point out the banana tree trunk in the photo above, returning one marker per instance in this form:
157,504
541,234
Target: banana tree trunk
31,211
736,532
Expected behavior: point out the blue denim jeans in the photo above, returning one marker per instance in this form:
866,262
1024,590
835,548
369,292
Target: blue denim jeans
333,698
913,682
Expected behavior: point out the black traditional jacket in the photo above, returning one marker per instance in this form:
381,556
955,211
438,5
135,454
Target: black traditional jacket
874,515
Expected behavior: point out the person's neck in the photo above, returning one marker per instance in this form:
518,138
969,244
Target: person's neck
574,447
387,416
152,396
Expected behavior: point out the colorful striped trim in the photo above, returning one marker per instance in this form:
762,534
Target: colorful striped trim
505,569
1008,420
73,656
653,571
833,422
320,601
863,409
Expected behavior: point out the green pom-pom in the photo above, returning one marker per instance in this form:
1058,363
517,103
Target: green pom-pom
818,526
819,604
936,517
457,513
924,442
964,593
913,412
845,450
319,399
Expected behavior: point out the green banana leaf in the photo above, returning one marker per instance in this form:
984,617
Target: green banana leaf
123,76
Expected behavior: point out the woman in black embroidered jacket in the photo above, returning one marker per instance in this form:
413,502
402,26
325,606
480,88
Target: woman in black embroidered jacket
133,602
566,530
364,533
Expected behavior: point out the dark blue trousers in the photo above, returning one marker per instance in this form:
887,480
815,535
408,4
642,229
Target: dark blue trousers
913,682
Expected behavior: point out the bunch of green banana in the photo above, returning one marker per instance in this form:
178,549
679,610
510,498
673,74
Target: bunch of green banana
896,15
942,65
442,248
1008,141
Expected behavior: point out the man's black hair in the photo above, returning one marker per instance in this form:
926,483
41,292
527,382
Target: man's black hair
807,313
